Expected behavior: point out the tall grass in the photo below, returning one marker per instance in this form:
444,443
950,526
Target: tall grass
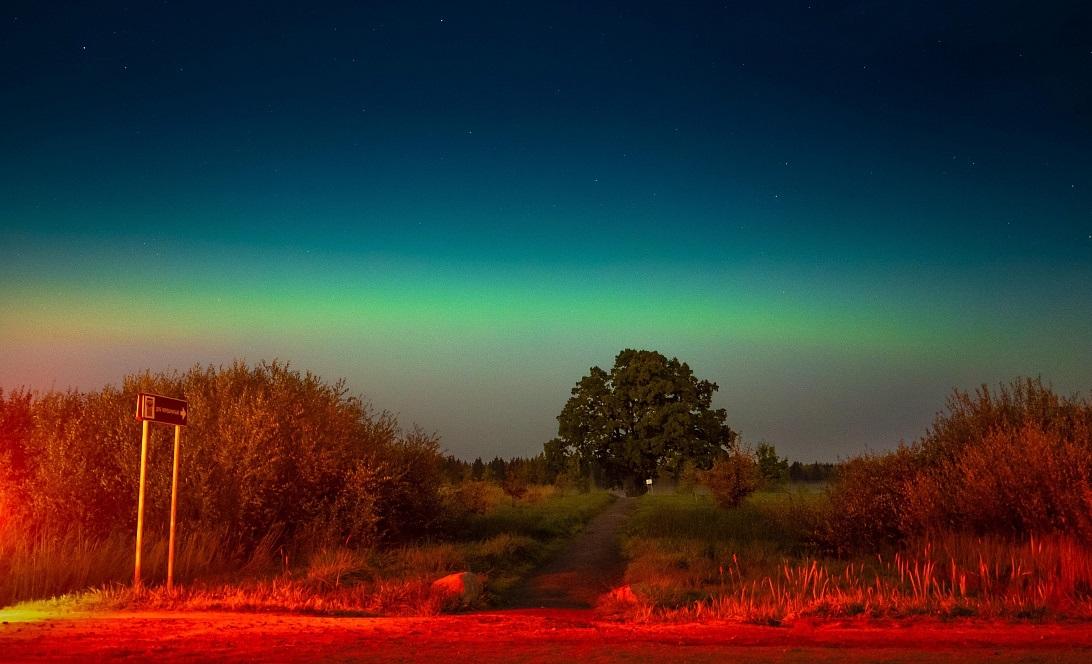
783,518
737,568
950,577
338,580
560,516
44,565
501,545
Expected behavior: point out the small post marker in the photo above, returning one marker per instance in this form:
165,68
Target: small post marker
174,508
157,408
140,501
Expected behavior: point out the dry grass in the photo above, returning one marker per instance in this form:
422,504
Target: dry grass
502,544
761,579
47,566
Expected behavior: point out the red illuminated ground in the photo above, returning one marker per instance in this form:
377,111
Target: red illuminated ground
547,635
559,633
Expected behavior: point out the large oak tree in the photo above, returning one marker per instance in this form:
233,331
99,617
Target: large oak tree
648,413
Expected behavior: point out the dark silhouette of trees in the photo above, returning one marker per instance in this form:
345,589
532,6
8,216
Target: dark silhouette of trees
816,471
773,469
497,469
532,470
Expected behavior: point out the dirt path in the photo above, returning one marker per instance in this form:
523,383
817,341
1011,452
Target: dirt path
547,636
590,566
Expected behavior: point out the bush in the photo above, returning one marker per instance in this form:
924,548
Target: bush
773,469
268,450
732,478
463,499
514,485
1014,462
16,423
867,501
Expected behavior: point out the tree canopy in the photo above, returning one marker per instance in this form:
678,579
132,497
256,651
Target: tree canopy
648,413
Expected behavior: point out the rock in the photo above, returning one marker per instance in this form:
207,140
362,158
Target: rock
623,595
459,589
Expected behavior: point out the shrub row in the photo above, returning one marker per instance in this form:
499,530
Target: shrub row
268,450
1014,462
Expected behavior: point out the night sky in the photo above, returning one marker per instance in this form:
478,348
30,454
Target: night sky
838,211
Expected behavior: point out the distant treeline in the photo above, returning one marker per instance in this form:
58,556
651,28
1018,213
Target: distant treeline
537,470
816,471
531,470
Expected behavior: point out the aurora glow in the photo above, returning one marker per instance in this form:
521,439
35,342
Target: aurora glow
837,211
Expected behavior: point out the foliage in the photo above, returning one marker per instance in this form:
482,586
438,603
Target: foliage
777,518
16,424
466,498
868,501
559,517
689,477
268,450
1012,462
477,469
277,467
772,468
733,477
503,541
496,470
648,413
690,560
534,470
816,471
515,485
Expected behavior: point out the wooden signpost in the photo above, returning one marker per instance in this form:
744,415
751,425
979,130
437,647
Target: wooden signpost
158,408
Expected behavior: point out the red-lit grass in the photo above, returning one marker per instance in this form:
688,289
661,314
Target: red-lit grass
50,565
503,545
352,582
765,576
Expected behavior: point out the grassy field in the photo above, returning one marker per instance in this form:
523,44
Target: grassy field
757,563
502,545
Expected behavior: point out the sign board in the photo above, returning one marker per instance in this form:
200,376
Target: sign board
158,408
649,481
166,410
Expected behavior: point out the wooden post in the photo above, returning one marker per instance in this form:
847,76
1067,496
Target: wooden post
140,501
174,510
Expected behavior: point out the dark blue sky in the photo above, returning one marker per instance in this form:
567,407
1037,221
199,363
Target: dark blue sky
838,211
